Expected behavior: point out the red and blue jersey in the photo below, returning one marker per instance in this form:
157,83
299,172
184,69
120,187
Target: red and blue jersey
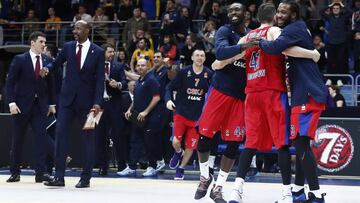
145,90
304,75
231,80
191,89
263,71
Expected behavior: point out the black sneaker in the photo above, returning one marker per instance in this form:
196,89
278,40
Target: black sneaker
203,187
299,196
313,199
216,195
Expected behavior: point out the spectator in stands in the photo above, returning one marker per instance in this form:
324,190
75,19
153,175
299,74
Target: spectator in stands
50,28
169,49
182,27
124,10
252,8
208,39
250,22
337,47
133,24
29,28
356,30
306,8
320,47
168,18
141,52
123,58
190,46
338,98
82,15
131,46
216,15
101,29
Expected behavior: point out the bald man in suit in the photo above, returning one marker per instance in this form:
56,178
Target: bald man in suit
81,92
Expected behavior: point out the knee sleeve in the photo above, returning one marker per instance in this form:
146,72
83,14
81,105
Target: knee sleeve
231,149
204,144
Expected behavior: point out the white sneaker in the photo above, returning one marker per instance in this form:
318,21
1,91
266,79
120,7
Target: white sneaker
236,196
328,82
339,83
150,172
160,164
127,172
286,197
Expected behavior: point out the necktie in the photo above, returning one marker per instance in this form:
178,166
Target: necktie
107,68
37,67
78,57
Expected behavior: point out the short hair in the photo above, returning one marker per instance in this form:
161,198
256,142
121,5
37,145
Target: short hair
34,35
86,24
336,88
197,49
107,45
162,53
294,7
266,12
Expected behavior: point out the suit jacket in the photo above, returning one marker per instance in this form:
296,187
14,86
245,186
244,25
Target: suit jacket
117,73
87,84
21,85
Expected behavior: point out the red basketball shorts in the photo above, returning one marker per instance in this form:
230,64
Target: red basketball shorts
267,120
222,113
185,127
305,118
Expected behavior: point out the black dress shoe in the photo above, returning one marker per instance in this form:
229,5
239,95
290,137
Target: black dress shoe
42,178
83,184
13,178
55,182
102,172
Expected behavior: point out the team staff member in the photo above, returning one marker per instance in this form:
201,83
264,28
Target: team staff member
191,85
29,96
160,73
81,92
111,125
308,94
146,98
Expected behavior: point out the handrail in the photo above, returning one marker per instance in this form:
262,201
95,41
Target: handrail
353,100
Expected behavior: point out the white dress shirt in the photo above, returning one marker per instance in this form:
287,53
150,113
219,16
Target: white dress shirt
84,51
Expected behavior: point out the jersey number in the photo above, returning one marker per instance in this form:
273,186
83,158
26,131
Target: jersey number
254,60
197,80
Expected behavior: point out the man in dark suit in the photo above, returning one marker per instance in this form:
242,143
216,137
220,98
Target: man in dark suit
30,99
111,122
81,92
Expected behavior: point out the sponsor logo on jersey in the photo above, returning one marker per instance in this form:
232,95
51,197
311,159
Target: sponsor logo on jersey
189,74
240,63
333,148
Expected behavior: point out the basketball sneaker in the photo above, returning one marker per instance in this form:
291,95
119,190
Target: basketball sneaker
313,199
299,196
150,172
216,195
203,187
175,159
127,172
286,196
179,174
236,196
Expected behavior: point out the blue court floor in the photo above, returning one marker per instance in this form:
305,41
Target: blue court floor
259,189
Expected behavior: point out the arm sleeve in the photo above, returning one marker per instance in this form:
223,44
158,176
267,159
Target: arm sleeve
11,80
123,78
285,40
58,62
173,85
223,49
100,79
